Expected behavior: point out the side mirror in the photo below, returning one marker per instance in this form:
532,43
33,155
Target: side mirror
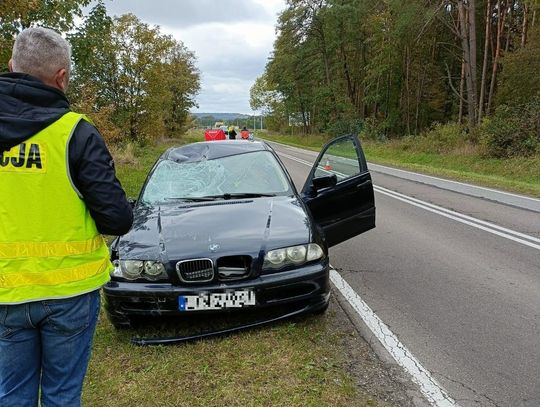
132,202
327,181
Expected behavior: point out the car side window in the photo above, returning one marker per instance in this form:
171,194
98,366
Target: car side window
340,158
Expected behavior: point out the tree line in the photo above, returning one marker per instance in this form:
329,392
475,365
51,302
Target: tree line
400,67
135,82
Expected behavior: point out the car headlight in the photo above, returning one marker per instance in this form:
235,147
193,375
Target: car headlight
293,255
134,269
297,254
314,252
153,268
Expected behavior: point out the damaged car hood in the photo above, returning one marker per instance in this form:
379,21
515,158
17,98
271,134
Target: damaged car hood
213,229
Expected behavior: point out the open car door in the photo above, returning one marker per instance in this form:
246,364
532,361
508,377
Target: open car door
339,190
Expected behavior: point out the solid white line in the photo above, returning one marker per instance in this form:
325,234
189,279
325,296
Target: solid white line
429,387
460,183
459,219
290,157
461,215
428,176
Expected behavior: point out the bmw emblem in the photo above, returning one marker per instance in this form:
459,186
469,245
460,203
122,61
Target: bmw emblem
214,247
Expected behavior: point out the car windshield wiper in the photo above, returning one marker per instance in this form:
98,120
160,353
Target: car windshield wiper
192,198
230,195
226,195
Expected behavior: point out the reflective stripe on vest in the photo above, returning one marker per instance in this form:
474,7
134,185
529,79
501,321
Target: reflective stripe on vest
49,243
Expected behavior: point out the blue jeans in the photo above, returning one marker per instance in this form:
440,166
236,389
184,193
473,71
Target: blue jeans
46,345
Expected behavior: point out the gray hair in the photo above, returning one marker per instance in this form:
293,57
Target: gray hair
41,52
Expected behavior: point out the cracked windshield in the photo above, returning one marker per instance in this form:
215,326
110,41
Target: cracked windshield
270,203
250,173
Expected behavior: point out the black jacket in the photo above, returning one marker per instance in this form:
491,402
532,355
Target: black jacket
27,106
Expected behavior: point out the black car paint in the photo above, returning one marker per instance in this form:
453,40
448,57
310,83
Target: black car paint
178,231
345,209
184,230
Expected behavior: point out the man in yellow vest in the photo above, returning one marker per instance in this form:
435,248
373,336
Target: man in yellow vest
58,194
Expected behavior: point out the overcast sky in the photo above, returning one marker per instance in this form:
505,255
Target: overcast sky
232,40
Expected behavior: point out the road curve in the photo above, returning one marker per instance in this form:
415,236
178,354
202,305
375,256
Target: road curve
459,284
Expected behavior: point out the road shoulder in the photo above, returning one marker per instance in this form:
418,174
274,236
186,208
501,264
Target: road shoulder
369,366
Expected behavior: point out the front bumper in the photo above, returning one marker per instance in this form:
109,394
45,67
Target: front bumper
306,288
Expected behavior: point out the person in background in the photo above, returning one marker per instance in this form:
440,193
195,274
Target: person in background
244,134
59,194
232,133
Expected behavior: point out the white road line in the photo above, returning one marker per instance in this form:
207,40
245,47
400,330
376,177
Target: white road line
482,222
429,387
459,217
462,183
295,159
507,198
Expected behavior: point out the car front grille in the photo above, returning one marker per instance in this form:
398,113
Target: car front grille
233,267
195,271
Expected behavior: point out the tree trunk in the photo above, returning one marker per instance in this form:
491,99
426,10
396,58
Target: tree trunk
473,51
461,90
524,25
464,33
501,14
510,22
407,88
346,73
484,64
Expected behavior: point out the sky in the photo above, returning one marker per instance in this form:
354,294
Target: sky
232,40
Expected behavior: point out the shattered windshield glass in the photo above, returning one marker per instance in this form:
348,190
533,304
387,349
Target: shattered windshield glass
251,173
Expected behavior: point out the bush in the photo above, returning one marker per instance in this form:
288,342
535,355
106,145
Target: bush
345,126
513,130
374,129
519,80
442,138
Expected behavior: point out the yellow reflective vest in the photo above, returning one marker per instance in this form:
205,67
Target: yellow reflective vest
49,243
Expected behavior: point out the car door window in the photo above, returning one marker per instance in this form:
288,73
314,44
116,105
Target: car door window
340,158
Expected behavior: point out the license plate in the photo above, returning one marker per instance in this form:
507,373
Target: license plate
216,301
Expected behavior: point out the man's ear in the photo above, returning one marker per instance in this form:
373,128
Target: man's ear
10,65
61,79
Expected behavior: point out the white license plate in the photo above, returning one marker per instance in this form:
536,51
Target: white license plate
216,301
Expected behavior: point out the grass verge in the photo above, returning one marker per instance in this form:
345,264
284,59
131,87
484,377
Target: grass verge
297,363
465,163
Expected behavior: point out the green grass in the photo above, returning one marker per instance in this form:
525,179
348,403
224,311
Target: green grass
292,364
298,363
464,162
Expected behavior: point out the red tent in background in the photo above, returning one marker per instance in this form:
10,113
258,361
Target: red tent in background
214,134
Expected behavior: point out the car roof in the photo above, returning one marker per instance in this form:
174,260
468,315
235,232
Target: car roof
210,150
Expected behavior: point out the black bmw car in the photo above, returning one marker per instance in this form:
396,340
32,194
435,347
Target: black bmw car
220,226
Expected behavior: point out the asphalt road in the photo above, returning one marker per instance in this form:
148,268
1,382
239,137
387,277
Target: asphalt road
464,300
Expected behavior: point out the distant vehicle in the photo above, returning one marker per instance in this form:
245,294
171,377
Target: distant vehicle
220,227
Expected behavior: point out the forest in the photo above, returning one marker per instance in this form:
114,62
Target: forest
396,68
134,82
